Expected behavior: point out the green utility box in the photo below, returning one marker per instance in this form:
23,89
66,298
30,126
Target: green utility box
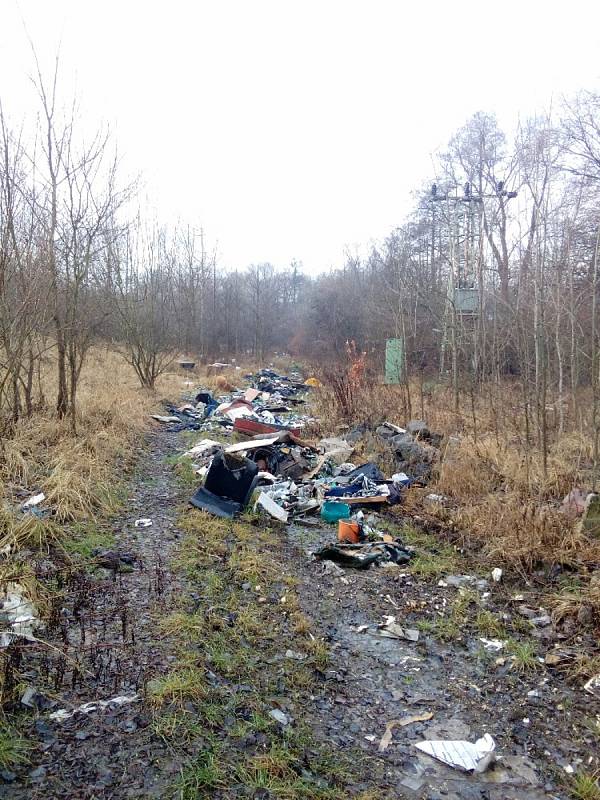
394,360
466,301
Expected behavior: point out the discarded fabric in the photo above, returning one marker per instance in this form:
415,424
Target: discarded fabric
361,556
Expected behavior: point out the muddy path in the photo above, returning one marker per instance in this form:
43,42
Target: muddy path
107,628
288,636
536,719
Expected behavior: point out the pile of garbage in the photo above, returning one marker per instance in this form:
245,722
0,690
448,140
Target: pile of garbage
268,404
291,478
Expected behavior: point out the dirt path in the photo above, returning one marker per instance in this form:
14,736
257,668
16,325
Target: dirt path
257,627
374,680
108,620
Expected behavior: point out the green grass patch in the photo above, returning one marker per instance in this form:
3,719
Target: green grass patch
203,775
489,625
14,749
523,655
183,684
86,538
585,787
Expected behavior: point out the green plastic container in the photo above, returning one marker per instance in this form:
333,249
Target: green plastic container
332,512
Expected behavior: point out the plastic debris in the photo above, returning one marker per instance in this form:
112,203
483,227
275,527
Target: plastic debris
271,507
391,630
434,498
33,501
18,615
593,685
573,505
204,447
143,522
461,754
279,716
228,487
496,574
386,739
493,645
95,705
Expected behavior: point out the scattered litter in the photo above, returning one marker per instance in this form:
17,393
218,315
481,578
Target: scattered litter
28,697
279,716
33,501
143,522
386,739
593,685
95,705
460,581
164,419
391,630
329,568
271,507
461,754
496,574
573,505
204,447
590,519
435,498
294,655
18,615
492,645
361,556
541,622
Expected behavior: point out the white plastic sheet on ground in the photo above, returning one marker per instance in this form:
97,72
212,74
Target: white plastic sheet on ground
96,705
34,501
468,756
271,507
19,615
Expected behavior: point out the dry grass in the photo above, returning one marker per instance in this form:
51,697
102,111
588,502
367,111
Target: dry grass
502,498
76,472
81,474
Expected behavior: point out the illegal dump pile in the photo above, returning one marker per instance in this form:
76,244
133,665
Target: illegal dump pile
280,471
263,407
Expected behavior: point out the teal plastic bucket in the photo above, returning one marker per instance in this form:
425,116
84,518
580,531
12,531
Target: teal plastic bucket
332,512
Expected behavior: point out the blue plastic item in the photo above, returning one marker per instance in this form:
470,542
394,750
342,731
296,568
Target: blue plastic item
332,512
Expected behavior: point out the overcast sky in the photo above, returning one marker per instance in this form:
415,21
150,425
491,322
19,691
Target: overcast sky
295,129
